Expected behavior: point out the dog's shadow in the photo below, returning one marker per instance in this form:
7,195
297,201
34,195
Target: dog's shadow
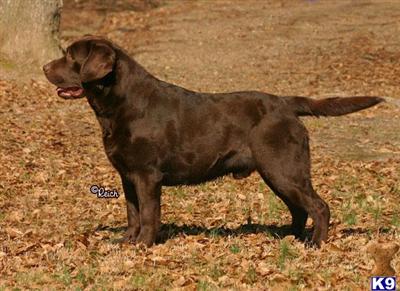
172,230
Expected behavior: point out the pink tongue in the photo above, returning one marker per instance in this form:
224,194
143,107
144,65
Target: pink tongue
77,92
68,92
61,91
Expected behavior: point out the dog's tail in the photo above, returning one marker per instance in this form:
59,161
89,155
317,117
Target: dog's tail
333,106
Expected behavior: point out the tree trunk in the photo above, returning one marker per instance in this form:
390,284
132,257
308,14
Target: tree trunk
29,34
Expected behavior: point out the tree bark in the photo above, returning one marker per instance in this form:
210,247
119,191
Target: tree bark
29,34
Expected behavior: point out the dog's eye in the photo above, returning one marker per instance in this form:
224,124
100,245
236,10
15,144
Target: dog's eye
76,66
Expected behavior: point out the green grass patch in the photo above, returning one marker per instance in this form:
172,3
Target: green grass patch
235,249
138,281
286,253
6,63
64,277
204,286
251,275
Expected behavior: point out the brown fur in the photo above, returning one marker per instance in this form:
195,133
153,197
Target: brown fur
159,134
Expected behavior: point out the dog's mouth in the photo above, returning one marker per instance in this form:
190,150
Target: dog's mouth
70,92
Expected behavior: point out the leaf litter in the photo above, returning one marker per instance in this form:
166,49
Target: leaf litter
225,234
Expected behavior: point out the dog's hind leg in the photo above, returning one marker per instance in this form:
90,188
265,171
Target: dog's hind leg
299,215
281,151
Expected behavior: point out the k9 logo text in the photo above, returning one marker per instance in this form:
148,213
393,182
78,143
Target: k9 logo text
383,283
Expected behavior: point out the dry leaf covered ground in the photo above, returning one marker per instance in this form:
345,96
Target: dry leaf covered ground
228,234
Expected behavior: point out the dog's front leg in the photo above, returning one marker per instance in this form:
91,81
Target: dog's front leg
148,189
132,209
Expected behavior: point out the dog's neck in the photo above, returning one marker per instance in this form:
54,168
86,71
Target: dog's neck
106,95
109,96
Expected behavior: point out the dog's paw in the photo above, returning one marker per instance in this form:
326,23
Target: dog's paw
311,244
146,239
129,237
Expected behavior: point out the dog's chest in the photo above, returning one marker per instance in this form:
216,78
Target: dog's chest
112,138
127,151
110,146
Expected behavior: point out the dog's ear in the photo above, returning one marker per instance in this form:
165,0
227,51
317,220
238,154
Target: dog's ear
99,62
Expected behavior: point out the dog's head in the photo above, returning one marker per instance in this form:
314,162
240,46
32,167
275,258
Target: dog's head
87,63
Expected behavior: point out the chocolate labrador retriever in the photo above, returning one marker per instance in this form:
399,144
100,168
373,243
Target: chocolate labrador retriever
158,134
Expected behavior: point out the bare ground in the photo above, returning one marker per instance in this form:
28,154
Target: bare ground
229,234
